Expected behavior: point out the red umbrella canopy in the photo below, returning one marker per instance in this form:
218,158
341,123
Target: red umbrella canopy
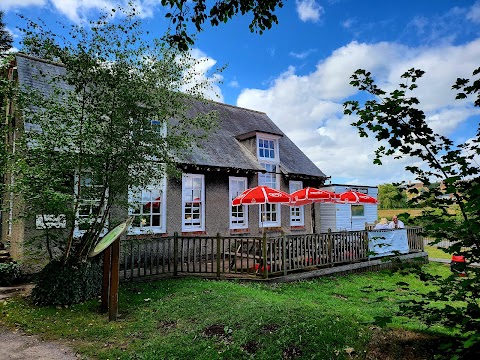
355,197
309,195
261,195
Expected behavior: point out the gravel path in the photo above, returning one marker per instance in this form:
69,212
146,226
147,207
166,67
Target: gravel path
16,345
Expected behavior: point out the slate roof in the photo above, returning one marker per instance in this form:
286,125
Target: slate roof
222,149
37,73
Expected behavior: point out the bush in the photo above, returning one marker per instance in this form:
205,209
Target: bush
70,283
10,274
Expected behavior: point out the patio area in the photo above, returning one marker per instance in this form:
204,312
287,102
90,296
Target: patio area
254,257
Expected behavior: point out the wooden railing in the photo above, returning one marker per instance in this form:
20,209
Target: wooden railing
263,256
415,238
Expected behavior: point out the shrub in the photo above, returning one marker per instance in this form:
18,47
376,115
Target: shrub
61,284
10,274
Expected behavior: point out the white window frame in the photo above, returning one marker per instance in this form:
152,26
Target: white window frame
186,198
268,161
274,138
77,232
243,208
296,220
160,229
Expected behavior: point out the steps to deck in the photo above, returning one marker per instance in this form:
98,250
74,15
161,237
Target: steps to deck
4,254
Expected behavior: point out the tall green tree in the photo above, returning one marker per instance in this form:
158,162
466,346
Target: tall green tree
397,121
6,88
116,118
6,39
391,197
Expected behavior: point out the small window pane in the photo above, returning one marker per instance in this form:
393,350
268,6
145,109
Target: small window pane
358,210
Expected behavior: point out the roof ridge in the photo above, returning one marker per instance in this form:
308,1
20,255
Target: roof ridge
39,59
237,107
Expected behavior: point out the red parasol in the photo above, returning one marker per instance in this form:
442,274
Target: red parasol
354,197
261,195
309,195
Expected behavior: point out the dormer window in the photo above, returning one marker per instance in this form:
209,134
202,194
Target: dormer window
267,148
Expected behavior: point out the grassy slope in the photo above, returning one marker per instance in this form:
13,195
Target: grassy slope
175,319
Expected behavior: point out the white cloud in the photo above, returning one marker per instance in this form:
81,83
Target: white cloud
309,10
78,10
234,84
474,13
445,121
347,24
16,4
201,73
309,108
302,55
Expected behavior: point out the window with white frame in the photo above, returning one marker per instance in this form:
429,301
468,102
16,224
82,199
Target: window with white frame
238,214
148,208
193,202
269,213
270,177
296,212
89,203
267,153
267,147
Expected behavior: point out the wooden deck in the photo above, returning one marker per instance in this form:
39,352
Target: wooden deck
251,257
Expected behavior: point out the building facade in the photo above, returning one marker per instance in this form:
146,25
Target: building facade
247,149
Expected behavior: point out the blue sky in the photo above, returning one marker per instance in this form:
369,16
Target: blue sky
298,72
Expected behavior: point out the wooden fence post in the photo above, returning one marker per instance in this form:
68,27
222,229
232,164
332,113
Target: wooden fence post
264,256
330,247
107,264
365,244
175,254
284,254
420,238
218,254
114,281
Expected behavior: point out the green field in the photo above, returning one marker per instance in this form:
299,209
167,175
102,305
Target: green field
390,212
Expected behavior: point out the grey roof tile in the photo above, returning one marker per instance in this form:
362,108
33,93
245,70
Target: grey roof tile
222,148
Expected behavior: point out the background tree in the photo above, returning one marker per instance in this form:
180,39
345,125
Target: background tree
197,12
102,126
5,92
6,39
399,125
391,196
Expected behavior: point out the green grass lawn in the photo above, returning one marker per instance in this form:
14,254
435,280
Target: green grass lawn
436,253
325,318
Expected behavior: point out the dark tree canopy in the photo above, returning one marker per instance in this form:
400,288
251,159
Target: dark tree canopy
391,196
197,12
397,121
5,37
